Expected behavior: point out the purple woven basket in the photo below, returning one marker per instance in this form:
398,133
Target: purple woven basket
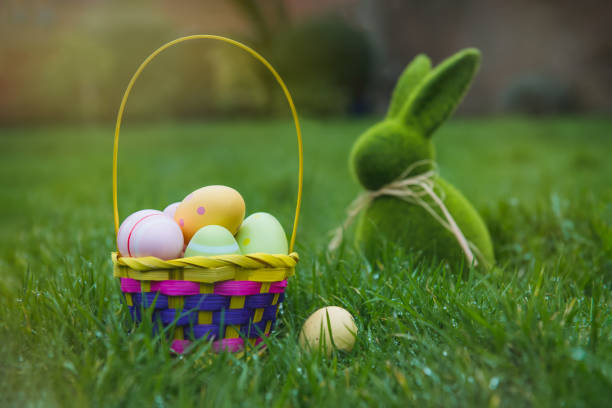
227,312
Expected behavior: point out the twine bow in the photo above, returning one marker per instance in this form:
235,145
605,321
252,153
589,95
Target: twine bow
413,189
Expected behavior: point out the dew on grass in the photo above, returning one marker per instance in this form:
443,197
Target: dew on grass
493,383
427,371
578,354
159,400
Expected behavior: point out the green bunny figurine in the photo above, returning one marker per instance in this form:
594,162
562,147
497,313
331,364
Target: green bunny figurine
422,100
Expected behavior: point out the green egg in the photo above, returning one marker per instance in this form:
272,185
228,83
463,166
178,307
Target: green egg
261,232
212,240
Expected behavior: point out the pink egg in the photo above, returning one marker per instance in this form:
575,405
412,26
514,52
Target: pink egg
128,225
171,209
150,233
157,236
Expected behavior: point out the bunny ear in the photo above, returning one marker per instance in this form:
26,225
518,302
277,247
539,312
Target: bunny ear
410,78
441,91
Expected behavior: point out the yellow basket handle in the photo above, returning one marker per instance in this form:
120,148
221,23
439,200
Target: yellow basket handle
258,57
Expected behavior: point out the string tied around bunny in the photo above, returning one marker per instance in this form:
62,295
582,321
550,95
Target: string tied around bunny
413,187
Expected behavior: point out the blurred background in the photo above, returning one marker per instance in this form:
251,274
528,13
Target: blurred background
530,147
69,61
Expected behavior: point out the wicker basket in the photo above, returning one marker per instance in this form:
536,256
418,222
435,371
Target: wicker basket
232,300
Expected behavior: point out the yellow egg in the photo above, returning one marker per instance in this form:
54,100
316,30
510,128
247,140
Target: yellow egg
210,205
341,326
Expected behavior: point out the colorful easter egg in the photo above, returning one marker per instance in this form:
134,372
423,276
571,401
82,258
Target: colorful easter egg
261,232
334,323
171,209
128,225
150,233
210,205
212,240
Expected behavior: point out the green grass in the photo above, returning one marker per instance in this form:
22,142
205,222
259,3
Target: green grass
535,332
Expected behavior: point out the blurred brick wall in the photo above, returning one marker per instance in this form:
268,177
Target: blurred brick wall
568,40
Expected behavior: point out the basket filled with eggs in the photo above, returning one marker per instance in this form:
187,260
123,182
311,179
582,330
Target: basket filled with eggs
200,268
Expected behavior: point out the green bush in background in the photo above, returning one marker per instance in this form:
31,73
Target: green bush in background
325,61
327,64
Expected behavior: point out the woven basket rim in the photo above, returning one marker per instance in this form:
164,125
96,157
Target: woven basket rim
258,267
257,260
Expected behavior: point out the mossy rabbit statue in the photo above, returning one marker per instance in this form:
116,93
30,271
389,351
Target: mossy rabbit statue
422,100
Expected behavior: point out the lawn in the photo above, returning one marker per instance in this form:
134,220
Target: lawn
536,331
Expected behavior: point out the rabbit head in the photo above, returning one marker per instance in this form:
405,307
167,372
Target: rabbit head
422,100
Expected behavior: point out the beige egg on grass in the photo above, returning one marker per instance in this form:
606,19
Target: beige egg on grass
328,328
